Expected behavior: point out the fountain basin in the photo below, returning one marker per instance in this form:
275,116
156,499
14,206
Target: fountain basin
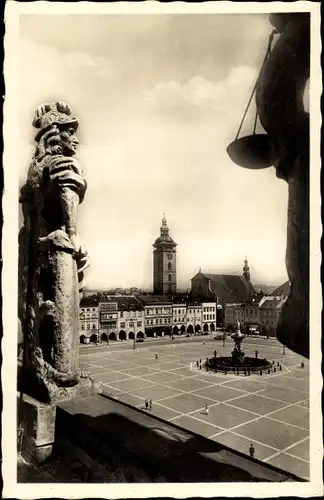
227,364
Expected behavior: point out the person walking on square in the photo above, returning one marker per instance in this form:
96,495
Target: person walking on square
252,450
206,410
156,356
146,404
150,404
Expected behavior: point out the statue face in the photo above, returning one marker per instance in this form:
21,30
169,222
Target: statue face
68,141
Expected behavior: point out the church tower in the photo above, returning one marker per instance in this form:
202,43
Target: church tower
164,262
246,270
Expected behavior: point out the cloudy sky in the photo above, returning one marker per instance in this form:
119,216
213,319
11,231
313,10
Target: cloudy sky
159,98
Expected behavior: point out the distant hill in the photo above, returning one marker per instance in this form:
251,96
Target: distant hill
266,289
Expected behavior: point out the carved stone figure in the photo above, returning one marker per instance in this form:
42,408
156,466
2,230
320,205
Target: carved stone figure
51,260
279,98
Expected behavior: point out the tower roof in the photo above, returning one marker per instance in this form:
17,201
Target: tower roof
164,240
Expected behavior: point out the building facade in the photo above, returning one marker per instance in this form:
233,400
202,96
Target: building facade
131,318
209,312
179,318
89,321
164,262
108,320
194,317
269,313
157,314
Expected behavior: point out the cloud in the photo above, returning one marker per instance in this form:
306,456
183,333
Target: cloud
155,121
200,94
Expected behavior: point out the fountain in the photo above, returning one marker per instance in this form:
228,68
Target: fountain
237,362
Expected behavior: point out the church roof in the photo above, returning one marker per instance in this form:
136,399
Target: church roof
228,287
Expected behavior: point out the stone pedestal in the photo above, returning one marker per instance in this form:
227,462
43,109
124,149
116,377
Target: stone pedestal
38,421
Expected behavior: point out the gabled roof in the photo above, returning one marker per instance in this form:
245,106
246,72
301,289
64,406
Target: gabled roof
89,301
283,290
271,302
228,287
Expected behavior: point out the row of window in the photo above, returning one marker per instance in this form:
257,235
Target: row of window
109,306
132,314
209,309
253,312
179,320
157,311
209,317
83,326
88,309
131,324
105,316
158,321
84,315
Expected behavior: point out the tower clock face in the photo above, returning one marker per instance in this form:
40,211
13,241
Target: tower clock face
170,256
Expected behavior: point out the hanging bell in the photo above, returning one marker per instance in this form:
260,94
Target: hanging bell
253,151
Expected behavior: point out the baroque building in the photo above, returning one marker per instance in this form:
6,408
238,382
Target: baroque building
164,262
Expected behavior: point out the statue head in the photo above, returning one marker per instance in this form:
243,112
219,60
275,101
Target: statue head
57,129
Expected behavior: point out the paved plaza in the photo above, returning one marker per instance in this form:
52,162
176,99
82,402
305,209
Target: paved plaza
270,411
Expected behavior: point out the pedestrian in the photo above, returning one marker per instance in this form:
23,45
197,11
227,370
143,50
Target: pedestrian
269,371
260,372
200,361
252,450
200,366
280,368
150,404
275,369
156,356
278,363
302,364
146,404
197,363
206,410
215,354
256,354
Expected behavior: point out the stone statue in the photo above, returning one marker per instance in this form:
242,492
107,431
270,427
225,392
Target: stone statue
279,98
51,260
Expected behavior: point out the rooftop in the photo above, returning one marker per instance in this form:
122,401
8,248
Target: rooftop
228,287
154,299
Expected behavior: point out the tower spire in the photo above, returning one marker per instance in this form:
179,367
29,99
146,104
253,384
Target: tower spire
246,269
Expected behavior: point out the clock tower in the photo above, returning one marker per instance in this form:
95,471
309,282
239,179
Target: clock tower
164,262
